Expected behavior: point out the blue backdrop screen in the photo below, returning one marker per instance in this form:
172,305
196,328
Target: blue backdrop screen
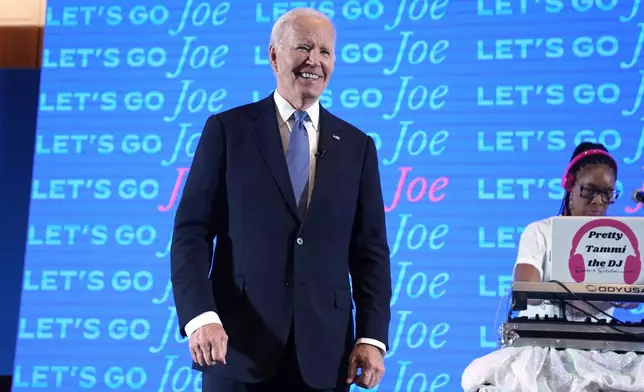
475,108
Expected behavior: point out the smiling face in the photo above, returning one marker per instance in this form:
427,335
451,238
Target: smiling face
303,59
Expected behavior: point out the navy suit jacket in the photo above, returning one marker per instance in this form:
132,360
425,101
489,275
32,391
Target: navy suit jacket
271,268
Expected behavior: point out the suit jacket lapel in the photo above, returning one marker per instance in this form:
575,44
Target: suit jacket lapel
267,135
324,170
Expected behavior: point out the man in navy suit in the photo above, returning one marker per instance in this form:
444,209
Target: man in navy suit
292,195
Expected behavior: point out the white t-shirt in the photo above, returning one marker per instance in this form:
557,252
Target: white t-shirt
535,249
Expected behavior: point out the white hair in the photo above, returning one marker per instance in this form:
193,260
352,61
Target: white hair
286,20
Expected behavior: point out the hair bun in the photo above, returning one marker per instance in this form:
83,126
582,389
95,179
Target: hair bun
587,146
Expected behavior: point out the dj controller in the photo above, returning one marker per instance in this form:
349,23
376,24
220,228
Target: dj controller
560,333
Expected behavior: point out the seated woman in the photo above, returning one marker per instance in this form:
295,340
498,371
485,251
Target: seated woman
590,188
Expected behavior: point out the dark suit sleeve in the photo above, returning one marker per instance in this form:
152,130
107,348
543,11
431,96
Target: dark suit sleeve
195,227
369,260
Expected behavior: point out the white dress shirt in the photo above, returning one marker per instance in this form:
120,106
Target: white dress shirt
286,121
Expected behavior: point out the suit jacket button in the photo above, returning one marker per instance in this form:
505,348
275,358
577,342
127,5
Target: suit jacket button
300,241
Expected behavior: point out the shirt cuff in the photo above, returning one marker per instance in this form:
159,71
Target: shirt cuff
373,342
200,321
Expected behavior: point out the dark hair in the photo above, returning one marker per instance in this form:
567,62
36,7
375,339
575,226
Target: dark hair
589,160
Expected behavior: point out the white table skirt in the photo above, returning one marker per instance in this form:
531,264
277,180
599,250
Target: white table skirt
539,369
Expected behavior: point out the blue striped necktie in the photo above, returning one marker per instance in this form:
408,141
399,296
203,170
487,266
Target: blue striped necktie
298,156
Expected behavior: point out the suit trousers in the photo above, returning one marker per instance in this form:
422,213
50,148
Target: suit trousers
287,378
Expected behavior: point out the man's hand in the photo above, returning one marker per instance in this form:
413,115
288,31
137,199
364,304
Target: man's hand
208,345
369,359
